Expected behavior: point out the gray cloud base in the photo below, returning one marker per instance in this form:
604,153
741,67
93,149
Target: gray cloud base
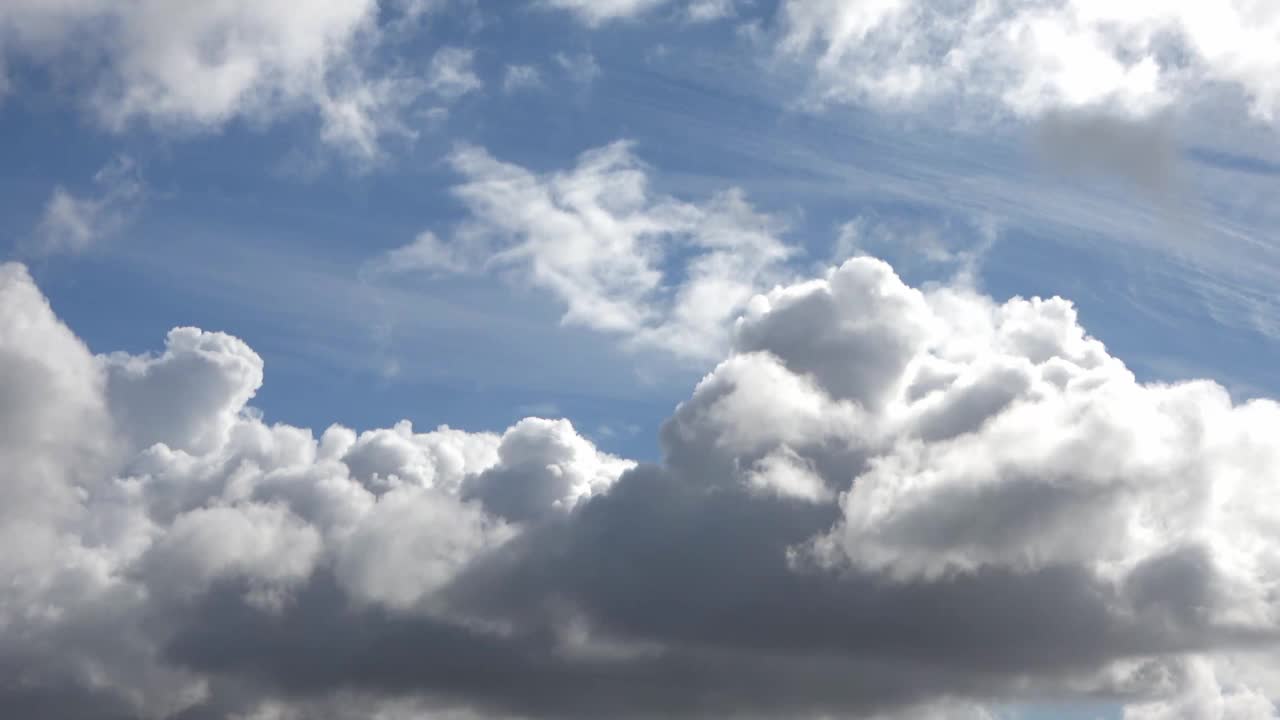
884,502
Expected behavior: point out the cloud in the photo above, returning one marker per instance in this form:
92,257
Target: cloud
72,224
1129,59
451,75
197,69
544,467
701,11
597,12
658,271
884,502
142,486
581,68
521,77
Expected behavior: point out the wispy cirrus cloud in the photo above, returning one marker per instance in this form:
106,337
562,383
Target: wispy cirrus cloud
71,223
622,258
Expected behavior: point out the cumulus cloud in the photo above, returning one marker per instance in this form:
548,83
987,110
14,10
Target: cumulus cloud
884,502
1131,59
599,240
72,223
141,486
194,69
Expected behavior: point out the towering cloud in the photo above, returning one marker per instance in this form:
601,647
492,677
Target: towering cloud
883,502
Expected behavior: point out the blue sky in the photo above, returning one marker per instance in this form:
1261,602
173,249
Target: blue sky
271,215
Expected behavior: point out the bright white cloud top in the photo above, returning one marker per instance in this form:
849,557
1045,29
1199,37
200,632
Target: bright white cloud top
706,454
883,499
1133,58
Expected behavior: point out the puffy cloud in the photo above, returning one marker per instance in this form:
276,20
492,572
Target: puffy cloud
598,239
1132,58
543,466
411,543
71,223
55,425
999,493
438,459
884,502
199,68
264,543
139,486
189,397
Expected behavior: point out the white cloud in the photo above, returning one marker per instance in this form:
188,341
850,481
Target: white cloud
215,374
138,483
701,11
197,68
427,253
72,224
451,75
884,502
544,467
1130,58
411,543
265,543
602,242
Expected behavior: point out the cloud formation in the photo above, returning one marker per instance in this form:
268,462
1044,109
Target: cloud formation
196,69
72,223
1132,59
883,502
623,259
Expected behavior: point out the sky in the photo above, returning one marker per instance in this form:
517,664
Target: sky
406,359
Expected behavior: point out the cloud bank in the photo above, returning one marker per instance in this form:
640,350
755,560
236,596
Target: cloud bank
883,502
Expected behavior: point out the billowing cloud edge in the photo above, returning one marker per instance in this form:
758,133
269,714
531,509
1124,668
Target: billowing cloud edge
884,502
